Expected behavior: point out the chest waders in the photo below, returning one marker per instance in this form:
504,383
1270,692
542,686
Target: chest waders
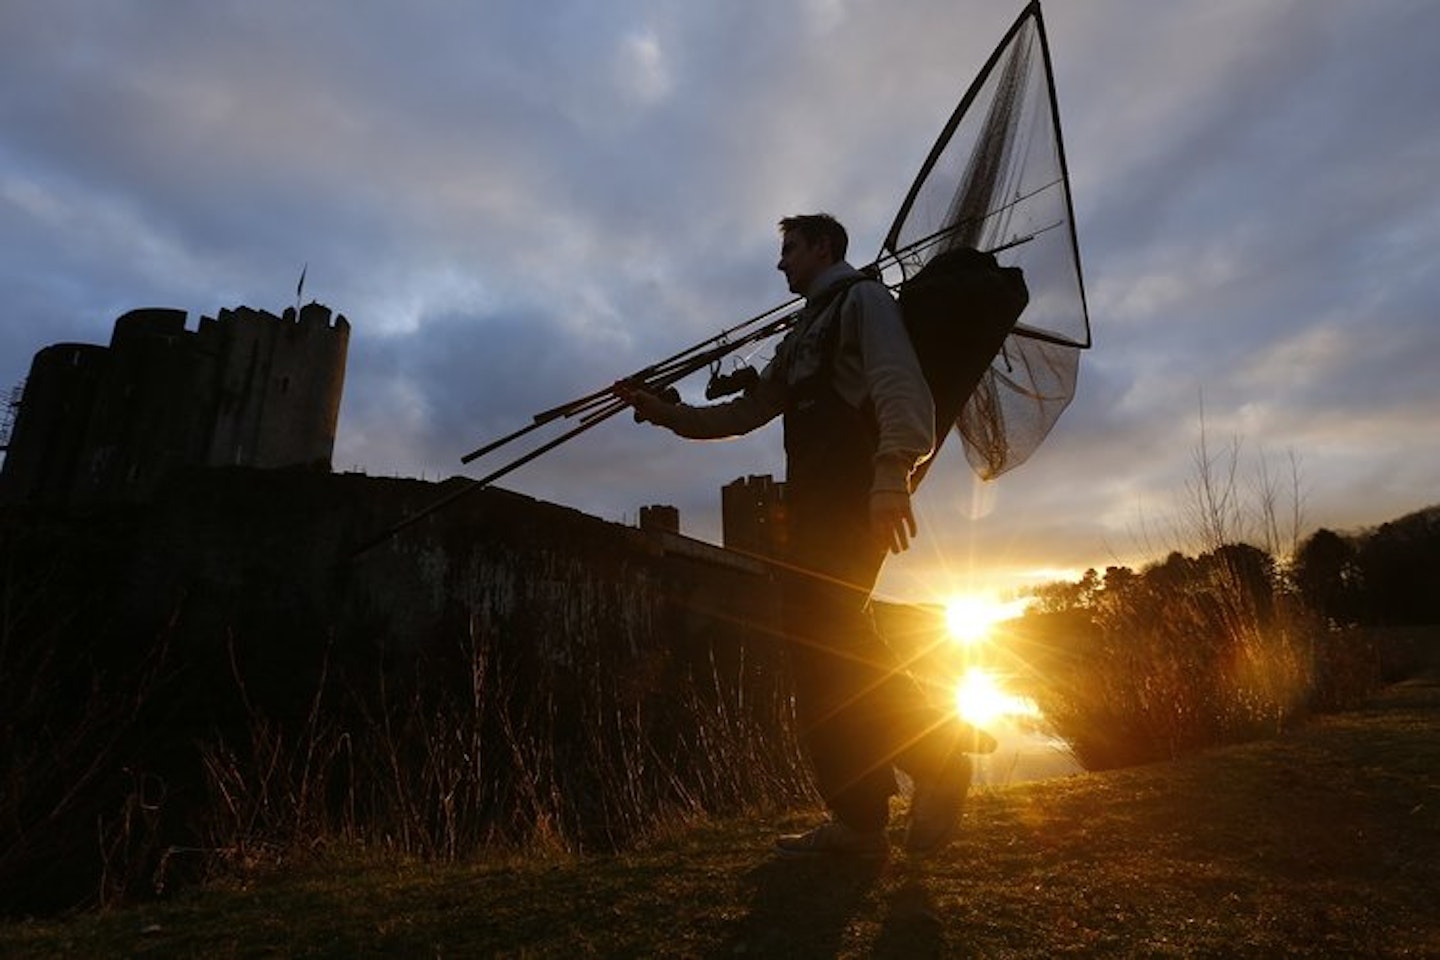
861,714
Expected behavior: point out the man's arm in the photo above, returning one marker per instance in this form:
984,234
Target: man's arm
759,405
904,413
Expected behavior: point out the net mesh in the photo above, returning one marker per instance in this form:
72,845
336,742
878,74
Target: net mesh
996,181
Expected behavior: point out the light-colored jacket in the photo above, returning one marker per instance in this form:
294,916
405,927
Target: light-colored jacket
873,361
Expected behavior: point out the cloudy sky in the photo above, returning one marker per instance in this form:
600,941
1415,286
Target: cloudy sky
517,202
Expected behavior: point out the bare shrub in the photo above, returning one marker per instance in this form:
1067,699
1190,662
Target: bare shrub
1190,651
80,811
485,746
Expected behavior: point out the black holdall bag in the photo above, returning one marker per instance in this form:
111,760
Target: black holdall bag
958,311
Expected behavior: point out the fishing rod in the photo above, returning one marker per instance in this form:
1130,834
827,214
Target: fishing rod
659,378
688,361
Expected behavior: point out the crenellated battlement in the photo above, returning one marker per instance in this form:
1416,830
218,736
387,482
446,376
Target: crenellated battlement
244,388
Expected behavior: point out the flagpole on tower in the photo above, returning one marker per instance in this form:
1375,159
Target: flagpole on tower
299,287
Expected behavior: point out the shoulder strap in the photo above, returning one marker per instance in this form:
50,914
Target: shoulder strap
828,335
838,291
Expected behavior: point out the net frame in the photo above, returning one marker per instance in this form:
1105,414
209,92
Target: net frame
997,180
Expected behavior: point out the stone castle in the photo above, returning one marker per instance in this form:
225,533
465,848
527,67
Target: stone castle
110,423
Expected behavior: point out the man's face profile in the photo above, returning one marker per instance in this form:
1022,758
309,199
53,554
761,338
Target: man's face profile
802,260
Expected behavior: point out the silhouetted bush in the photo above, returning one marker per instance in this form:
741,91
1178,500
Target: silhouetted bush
1188,653
79,707
481,744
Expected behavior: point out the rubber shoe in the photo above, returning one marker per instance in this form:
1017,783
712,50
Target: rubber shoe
935,809
834,839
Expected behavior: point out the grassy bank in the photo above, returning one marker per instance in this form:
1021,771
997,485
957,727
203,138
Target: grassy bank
1325,842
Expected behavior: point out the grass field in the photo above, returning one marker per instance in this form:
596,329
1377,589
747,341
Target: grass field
1323,843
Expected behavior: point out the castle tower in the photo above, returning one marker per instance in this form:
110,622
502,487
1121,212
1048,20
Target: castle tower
752,516
48,435
149,414
248,388
660,517
279,384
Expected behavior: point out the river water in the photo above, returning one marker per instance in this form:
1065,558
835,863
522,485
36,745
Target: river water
1025,752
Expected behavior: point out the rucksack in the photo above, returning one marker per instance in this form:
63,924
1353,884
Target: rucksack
958,311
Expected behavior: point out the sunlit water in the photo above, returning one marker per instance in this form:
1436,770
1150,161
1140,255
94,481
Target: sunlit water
1026,748
1023,755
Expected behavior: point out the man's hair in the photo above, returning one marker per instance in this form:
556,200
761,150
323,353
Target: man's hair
815,227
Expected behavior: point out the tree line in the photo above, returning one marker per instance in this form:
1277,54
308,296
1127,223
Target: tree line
1230,644
1388,576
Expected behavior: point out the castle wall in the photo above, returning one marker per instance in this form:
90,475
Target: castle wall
231,604
262,562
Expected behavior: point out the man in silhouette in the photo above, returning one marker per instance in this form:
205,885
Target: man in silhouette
858,420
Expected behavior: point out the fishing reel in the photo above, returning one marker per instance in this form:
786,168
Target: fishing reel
724,384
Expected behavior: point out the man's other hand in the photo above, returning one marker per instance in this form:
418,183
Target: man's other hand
891,520
648,407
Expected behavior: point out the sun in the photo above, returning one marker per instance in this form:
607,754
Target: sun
970,617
